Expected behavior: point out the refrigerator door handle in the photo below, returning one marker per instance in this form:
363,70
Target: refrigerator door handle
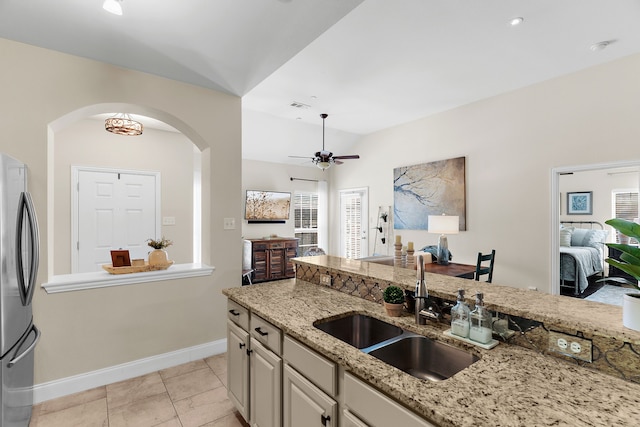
15,359
26,209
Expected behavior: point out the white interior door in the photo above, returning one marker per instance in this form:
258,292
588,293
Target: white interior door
354,223
114,210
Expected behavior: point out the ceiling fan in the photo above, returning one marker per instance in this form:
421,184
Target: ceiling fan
324,159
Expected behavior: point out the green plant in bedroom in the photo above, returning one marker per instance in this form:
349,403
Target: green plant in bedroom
629,263
393,297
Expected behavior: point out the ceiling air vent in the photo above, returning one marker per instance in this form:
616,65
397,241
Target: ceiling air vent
296,104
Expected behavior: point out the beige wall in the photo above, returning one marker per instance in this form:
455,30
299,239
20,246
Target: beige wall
511,143
45,91
86,143
267,176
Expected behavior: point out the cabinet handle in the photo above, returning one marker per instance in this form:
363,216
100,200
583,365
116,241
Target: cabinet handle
324,419
241,345
258,330
233,312
249,352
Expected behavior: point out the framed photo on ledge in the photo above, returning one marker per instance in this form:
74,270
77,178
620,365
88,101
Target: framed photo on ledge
120,258
580,203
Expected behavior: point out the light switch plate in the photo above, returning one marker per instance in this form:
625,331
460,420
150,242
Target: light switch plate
168,220
325,279
570,345
229,223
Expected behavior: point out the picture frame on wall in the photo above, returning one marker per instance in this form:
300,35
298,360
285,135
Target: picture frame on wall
580,203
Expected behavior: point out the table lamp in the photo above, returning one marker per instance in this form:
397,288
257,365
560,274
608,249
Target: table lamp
443,224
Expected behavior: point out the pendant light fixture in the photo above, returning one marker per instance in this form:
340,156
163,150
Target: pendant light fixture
123,124
113,6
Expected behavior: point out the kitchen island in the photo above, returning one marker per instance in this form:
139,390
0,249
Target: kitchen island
509,385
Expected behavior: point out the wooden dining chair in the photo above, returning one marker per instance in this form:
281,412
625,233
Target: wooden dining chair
482,270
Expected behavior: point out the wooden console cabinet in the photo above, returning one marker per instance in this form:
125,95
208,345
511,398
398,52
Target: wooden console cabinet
271,258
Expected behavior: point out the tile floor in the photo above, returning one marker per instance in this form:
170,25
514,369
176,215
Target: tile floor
189,395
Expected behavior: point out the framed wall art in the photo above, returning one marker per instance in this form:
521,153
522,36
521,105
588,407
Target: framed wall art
433,188
580,203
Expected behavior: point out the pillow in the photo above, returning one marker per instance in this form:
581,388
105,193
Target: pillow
565,236
595,238
586,237
578,235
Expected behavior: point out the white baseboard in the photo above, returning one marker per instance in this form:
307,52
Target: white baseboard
77,383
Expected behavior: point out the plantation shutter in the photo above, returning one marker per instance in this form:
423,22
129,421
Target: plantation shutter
626,207
306,220
352,225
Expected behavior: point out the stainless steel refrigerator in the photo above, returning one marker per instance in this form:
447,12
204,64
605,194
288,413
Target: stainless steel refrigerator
19,245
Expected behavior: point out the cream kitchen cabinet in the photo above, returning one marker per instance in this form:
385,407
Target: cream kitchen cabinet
304,403
238,357
309,387
238,368
366,406
265,374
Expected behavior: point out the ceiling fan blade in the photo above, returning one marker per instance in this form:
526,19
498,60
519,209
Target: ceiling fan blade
301,157
337,162
352,156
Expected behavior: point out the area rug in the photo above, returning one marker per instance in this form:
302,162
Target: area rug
609,294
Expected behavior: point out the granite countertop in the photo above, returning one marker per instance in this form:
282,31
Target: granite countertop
508,386
571,313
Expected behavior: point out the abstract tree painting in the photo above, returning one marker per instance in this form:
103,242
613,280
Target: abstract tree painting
433,188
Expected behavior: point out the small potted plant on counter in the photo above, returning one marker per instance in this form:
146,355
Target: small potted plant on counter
393,297
159,256
629,263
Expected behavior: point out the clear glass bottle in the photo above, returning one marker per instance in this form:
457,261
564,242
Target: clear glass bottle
480,319
460,316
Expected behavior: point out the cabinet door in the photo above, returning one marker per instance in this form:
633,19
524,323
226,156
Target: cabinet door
305,404
350,420
266,386
238,368
276,263
260,264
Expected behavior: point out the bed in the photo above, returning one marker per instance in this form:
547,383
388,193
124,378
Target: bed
582,251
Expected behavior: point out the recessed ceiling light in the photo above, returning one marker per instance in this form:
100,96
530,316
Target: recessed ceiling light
601,45
516,21
113,6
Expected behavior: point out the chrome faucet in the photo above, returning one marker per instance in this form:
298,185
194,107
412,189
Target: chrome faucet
424,306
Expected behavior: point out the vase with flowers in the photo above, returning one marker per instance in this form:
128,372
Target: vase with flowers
159,257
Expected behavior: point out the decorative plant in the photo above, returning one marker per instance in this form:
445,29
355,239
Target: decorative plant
159,244
630,259
393,295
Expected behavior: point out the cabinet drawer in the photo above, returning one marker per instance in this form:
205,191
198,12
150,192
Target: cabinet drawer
376,409
278,245
293,244
267,334
320,371
238,314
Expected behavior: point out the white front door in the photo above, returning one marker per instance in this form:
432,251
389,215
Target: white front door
114,210
354,223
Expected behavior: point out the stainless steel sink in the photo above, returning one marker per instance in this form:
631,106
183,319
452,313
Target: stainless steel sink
359,330
424,358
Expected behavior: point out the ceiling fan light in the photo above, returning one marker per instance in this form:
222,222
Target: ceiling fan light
113,6
323,164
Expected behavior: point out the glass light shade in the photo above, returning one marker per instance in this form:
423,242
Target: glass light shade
323,165
444,224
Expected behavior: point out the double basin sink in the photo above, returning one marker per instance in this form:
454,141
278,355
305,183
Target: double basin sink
414,354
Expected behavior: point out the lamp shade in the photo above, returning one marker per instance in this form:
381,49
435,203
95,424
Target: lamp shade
444,224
